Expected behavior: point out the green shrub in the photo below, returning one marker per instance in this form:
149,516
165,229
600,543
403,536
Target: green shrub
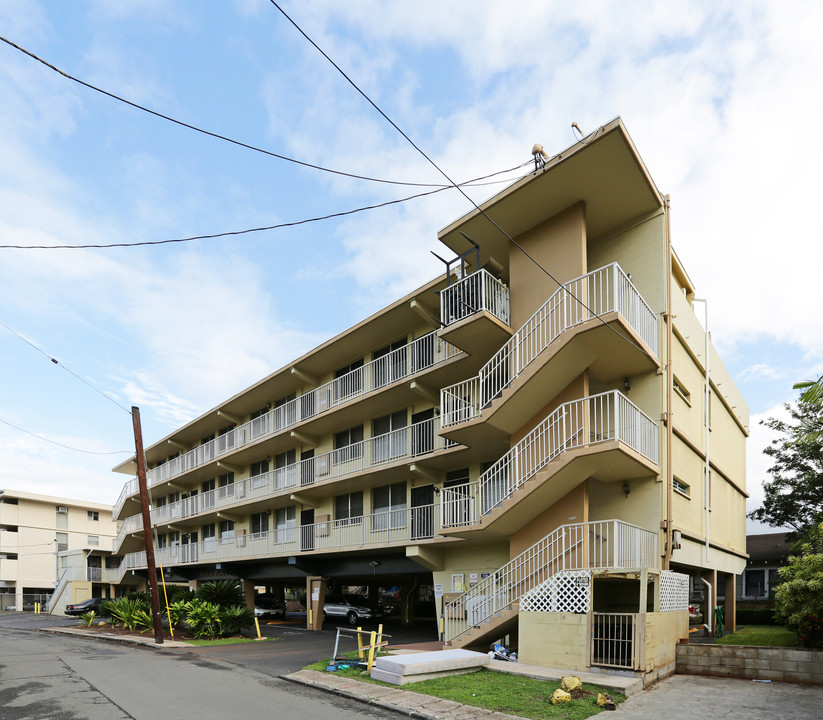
224,593
810,630
88,618
177,612
129,612
755,616
236,618
204,620
176,593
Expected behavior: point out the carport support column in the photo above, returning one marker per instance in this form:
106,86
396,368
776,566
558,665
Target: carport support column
248,593
315,599
730,604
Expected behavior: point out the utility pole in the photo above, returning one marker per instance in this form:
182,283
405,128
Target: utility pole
147,534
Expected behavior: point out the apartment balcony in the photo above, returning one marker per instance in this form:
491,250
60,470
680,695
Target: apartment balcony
475,313
383,529
603,436
367,461
598,322
8,570
359,392
8,541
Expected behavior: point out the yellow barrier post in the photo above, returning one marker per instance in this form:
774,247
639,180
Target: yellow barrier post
36,608
359,643
166,596
257,625
371,650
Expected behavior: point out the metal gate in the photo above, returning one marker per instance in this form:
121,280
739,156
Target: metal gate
614,640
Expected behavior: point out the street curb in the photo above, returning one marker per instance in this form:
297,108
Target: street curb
359,698
136,642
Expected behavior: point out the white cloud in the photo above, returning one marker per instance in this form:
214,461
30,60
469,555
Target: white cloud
758,464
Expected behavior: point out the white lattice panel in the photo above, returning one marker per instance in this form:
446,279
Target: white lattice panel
674,591
568,591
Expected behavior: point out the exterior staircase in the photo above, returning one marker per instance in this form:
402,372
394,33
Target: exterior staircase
604,435
490,609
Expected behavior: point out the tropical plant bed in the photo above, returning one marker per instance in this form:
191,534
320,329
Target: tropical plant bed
180,635
497,691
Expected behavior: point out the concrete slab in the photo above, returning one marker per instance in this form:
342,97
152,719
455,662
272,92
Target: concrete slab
428,663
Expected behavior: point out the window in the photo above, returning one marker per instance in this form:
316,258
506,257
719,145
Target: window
348,382
260,522
285,521
285,411
226,528
93,540
680,487
62,520
261,467
285,472
225,485
207,531
260,422
348,444
93,515
389,363
62,541
389,505
162,541
160,502
681,390
348,509
760,582
387,446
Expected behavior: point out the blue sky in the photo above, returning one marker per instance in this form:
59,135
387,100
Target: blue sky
720,99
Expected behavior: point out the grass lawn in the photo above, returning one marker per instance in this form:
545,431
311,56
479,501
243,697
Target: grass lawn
763,635
498,691
226,641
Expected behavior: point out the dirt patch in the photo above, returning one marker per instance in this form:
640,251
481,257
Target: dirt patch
580,693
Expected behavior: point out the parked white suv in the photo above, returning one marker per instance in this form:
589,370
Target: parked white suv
354,608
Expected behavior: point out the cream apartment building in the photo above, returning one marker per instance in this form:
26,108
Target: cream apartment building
526,432
53,550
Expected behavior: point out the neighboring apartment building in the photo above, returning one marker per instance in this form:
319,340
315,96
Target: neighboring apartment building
41,539
768,552
538,452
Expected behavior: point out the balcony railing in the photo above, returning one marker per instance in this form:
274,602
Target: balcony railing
596,293
378,529
408,442
419,355
585,422
476,292
599,544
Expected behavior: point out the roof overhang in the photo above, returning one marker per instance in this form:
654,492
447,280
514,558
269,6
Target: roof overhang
603,170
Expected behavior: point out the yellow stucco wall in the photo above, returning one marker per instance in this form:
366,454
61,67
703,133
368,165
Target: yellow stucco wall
557,640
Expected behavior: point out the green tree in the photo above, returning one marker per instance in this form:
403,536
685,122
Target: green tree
794,495
799,597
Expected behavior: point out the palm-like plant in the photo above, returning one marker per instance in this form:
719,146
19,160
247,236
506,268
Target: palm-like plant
224,593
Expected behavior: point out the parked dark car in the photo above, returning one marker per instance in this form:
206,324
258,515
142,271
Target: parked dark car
267,606
86,606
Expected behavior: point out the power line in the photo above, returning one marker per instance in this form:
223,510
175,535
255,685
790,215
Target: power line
278,226
54,442
209,132
445,175
59,364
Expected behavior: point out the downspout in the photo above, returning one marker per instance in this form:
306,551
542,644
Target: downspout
668,379
709,609
707,401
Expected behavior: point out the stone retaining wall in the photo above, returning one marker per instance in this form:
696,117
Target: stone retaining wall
751,663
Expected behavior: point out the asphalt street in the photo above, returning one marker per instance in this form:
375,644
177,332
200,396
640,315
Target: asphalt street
43,675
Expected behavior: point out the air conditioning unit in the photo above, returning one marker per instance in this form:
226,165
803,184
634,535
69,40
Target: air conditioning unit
62,509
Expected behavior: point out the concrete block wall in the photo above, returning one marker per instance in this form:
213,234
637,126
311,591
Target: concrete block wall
752,663
558,640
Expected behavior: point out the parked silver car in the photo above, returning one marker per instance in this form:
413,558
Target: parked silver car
352,608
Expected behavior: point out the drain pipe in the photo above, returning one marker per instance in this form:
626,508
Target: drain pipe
669,478
708,625
707,403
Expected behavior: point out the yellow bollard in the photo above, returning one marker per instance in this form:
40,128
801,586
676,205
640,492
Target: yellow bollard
36,608
311,620
359,643
379,634
371,650
257,625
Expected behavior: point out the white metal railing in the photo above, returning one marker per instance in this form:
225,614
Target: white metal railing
379,529
614,640
475,292
59,586
596,293
418,355
599,544
408,442
130,487
595,419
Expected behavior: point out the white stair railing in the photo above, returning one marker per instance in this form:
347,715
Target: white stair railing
601,291
595,419
599,544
